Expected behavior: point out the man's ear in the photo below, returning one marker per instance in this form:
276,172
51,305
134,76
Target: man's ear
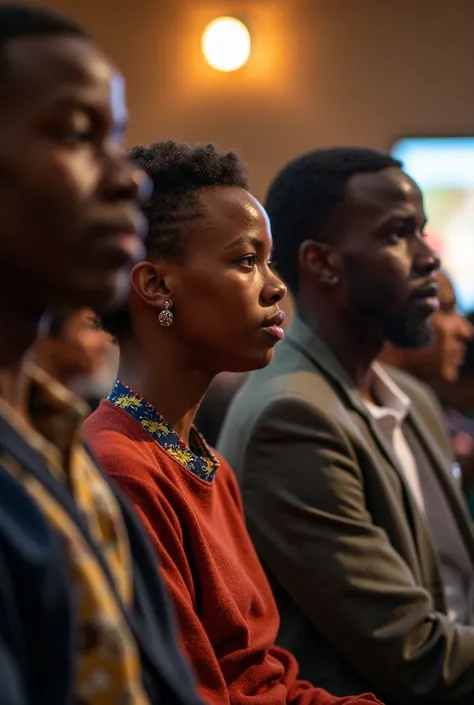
320,260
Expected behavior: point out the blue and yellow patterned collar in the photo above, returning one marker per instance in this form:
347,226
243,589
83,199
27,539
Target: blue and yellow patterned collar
204,464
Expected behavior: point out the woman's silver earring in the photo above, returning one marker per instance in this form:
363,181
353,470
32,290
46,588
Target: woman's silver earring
330,279
165,316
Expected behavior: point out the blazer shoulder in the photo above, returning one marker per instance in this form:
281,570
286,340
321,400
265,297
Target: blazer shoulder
291,384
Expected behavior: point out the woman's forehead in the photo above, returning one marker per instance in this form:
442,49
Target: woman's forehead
232,207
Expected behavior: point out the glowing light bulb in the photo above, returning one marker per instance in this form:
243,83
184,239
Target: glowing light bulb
226,44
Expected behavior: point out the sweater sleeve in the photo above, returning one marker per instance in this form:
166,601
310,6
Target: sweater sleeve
303,693
299,692
154,511
165,532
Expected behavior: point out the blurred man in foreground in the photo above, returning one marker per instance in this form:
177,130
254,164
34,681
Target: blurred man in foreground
83,616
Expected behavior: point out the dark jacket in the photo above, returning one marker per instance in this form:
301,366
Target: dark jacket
36,615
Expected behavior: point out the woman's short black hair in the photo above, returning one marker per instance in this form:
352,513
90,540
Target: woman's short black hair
178,171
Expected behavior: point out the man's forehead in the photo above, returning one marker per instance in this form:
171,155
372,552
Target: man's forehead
383,188
51,62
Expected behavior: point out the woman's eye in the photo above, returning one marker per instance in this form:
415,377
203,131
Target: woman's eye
249,261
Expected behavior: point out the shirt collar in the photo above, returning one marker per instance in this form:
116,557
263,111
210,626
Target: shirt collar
204,464
55,412
389,395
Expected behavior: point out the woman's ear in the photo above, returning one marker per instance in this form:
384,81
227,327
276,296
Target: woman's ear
148,280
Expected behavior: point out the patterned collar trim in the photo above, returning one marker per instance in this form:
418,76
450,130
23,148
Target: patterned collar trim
56,414
204,464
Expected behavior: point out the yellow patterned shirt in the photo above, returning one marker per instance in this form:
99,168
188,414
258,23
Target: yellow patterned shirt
107,666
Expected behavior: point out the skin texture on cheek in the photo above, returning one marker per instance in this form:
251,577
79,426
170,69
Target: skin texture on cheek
223,289
70,188
386,256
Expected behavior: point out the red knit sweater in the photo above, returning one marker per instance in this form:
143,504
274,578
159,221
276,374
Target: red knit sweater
225,608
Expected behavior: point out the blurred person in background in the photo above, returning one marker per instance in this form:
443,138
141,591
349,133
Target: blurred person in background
73,350
205,300
460,405
461,392
84,616
345,464
443,365
438,363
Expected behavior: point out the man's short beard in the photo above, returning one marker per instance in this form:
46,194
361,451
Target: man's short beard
406,333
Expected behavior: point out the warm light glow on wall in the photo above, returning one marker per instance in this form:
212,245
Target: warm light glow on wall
226,44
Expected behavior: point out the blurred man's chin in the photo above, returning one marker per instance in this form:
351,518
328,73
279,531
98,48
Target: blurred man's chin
408,334
119,288
98,292
110,295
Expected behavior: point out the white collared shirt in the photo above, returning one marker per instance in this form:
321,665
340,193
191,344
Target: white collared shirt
389,417
456,566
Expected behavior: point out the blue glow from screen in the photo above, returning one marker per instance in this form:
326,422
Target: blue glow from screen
443,167
438,162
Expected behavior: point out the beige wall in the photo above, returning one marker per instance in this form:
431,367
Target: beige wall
322,72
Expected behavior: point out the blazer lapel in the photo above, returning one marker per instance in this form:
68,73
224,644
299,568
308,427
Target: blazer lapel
452,494
302,337
13,443
307,341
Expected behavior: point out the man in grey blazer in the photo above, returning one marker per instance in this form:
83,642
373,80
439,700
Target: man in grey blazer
346,469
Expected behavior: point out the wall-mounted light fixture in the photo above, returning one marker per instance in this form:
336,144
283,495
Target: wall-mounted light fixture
226,44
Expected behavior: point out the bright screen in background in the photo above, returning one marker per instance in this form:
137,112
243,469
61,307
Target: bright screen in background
443,167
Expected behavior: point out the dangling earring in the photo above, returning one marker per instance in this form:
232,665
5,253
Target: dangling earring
330,279
165,316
